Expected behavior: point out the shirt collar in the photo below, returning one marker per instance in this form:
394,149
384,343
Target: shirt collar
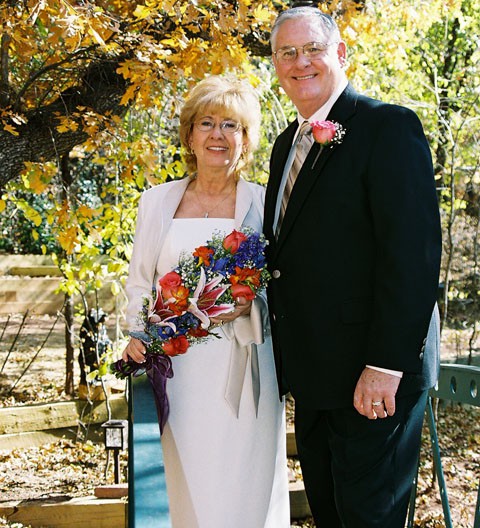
322,113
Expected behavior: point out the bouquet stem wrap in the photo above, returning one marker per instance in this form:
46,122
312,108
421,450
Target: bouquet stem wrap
160,370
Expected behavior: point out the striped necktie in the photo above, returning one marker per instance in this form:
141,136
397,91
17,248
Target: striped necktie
300,149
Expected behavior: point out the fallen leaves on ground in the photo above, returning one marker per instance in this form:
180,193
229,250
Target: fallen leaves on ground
458,428
76,468
64,468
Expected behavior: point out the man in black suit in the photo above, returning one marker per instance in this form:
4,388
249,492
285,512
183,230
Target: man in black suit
355,261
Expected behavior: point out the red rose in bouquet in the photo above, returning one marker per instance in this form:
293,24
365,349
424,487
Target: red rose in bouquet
242,290
233,240
176,345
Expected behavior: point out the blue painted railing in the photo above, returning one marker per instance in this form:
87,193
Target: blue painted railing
147,489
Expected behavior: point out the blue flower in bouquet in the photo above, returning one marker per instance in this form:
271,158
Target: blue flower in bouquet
220,266
251,252
186,322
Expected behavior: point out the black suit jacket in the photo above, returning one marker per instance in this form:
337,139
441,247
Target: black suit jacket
357,260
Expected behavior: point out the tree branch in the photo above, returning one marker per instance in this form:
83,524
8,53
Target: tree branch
100,89
4,70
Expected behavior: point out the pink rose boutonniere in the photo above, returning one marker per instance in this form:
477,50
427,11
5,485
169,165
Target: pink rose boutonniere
327,133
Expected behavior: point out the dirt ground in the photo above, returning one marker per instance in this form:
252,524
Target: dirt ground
30,373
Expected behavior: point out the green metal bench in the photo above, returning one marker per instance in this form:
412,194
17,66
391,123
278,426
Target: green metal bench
458,383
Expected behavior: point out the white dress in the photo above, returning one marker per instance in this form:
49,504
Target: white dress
221,471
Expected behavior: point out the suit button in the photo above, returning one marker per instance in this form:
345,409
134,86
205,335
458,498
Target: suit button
420,356
276,274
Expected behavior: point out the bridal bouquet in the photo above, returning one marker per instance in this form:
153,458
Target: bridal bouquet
177,314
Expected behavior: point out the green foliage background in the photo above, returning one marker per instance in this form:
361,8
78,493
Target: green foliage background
422,54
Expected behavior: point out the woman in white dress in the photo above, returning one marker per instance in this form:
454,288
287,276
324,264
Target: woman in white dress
224,442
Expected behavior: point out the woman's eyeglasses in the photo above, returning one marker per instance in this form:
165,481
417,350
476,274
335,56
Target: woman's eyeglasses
312,50
229,126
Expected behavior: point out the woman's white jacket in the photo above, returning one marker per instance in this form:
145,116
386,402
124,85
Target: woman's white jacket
156,210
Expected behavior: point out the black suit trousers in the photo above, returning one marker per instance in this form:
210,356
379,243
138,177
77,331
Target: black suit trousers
358,473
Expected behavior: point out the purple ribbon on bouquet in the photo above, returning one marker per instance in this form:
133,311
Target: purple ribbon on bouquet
158,373
158,368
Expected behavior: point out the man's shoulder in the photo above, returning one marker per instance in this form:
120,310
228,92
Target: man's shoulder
289,131
380,116
283,141
291,127
381,108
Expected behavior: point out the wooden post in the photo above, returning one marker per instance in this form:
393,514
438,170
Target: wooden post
69,345
69,316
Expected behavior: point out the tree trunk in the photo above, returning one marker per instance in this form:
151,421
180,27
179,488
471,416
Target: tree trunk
100,90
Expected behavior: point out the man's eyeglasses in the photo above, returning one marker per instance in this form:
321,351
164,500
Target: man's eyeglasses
312,50
229,126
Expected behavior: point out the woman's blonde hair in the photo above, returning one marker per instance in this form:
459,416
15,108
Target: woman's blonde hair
231,97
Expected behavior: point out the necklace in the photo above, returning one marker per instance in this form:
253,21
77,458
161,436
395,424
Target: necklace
209,210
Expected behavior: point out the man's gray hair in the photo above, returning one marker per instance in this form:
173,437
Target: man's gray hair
326,22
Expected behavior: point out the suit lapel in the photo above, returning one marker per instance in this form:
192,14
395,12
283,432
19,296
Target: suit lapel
315,162
307,177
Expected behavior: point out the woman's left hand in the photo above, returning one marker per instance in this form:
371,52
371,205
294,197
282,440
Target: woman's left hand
242,307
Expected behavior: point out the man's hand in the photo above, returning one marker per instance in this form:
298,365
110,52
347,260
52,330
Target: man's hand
374,395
